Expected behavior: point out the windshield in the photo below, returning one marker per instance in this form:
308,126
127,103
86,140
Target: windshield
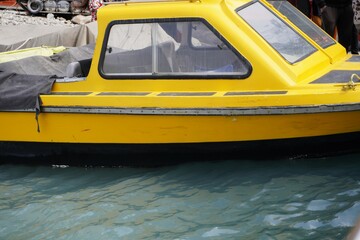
303,23
285,40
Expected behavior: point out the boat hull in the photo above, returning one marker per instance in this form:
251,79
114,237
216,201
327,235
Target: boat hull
152,155
184,137
153,129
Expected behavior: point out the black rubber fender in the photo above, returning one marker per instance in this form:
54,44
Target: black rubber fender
35,6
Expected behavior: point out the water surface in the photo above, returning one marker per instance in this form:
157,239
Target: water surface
277,199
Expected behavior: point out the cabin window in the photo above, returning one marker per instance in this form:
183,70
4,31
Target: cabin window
303,23
169,49
284,39
201,37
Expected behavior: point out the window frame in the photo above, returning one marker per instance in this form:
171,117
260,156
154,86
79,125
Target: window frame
165,75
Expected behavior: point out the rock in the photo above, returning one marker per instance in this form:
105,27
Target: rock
8,17
50,16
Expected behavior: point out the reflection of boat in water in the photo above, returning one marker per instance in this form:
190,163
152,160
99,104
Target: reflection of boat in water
188,78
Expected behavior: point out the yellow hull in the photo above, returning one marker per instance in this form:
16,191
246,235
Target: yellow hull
153,129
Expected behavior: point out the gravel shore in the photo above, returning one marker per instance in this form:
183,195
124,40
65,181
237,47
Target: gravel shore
12,18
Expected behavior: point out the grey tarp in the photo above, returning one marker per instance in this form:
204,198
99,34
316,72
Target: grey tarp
53,65
23,80
27,36
18,91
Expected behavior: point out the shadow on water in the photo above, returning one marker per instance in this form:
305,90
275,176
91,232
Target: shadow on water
188,173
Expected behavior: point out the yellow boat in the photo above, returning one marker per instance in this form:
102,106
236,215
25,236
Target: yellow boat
185,78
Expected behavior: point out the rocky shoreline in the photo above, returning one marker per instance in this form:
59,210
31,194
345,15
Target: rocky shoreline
13,18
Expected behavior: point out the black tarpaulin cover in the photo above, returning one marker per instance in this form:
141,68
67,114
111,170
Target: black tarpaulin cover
19,91
22,81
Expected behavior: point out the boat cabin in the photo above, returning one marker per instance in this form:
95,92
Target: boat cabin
228,44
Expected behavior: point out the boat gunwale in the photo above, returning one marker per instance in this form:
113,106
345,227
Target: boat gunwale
230,111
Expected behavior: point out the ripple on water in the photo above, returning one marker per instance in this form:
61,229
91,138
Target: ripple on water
350,193
102,231
217,232
309,225
277,219
348,217
291,207
318,205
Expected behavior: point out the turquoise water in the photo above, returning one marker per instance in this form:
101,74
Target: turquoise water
278,199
